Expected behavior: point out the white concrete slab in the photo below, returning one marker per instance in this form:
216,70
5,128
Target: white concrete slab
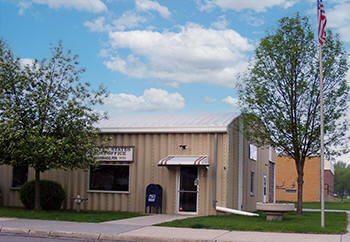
276,237
149,220
154,233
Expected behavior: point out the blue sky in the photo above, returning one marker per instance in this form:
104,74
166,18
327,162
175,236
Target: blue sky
158,55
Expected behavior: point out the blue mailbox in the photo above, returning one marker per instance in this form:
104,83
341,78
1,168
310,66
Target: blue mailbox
154,193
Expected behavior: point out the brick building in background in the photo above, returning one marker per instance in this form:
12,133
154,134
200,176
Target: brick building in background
286,180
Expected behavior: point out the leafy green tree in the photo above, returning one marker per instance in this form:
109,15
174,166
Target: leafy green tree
46,113
342,178
280,97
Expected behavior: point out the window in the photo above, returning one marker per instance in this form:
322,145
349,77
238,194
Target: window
19,176
109,178
253,152
252,175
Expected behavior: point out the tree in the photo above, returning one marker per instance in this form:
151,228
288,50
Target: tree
280,94
46,113
342,178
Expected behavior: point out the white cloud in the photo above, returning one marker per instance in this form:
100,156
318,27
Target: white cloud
146,5
253,20
94,6
152,100
194,54
98,25
233,102
126,21
339,18
238,5
221,23
23,6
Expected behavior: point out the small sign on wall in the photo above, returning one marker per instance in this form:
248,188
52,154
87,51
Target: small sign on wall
116,153
253,152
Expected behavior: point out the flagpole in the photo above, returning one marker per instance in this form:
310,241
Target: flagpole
322,143
321,38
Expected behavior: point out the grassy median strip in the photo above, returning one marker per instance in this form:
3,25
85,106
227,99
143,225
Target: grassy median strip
66,215
345,205
309,222
341,205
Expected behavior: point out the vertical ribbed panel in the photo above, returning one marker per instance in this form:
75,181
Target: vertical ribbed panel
148,150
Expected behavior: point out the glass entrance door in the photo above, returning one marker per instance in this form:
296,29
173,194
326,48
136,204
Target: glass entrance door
188,189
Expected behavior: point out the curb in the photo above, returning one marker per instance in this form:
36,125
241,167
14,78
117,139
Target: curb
160,239
88,236
14,230
39,233
47,233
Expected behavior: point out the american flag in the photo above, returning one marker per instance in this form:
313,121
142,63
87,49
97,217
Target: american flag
321,15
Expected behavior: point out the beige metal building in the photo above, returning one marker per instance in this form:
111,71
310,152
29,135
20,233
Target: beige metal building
200,161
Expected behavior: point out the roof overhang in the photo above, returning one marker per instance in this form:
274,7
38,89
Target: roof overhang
180,160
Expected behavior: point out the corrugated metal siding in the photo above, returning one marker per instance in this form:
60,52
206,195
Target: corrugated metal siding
262,168
249,202
232,177
149,149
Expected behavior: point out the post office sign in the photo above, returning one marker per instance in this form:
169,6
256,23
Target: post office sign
116,153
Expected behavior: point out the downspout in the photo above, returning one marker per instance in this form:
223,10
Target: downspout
214,168
240,166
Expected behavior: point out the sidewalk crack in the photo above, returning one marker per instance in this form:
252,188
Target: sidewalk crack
216,238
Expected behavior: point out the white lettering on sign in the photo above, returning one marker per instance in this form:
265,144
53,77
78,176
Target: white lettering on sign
118,153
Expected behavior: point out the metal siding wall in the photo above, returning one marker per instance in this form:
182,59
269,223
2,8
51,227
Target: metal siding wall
232,160
259,168
262,168
10,197
149,149
249,202
5,180
221,186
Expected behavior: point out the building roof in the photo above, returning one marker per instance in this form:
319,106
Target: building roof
169,123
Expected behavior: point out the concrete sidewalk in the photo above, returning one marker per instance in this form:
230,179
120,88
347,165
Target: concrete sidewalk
140,229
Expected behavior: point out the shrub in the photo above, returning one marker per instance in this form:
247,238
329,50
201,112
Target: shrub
51,195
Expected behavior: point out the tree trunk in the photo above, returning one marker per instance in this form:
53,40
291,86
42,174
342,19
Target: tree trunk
37,191
300,180
300,195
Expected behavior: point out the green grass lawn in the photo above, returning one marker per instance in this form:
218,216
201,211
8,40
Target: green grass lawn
345,205
65,215
309,222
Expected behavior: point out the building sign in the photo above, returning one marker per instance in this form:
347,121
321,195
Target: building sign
116,153
253,152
